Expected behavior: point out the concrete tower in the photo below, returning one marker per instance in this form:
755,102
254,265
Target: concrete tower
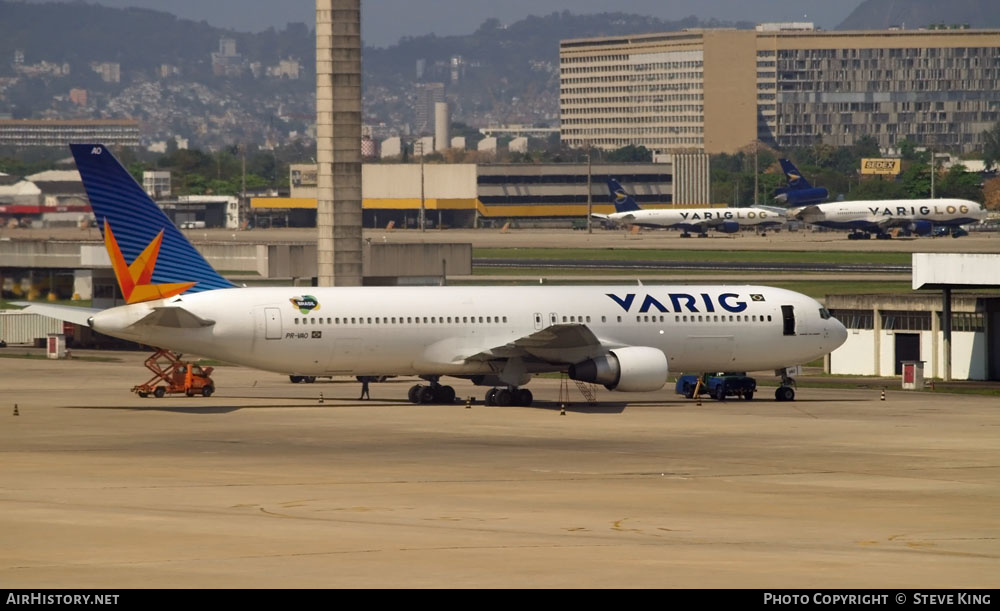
441,126
338,134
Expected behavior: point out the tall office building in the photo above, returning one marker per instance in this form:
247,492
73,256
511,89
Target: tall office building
427,95
786,85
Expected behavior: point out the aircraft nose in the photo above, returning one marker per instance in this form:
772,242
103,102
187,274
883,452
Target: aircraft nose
838,332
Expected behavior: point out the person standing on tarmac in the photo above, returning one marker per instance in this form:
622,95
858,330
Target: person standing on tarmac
364,389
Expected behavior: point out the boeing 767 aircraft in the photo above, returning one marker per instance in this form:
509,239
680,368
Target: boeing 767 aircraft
627,338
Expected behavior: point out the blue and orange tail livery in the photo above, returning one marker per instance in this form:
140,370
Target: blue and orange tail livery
150,256
620,198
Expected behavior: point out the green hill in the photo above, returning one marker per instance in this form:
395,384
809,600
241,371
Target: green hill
914,14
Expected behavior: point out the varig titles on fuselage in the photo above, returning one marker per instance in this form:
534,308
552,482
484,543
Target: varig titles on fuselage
683,302
723,215
917,210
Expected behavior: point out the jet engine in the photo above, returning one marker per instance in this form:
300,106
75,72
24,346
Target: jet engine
729,227
922,227
631,369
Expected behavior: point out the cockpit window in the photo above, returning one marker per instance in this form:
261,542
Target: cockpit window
824,313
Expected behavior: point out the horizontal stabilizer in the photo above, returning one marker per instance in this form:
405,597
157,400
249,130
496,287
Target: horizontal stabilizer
173,317
73,314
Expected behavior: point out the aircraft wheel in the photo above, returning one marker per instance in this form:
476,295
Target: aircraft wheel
720,393
523,397
748,395
426,394
446,395
295,379
414,394
309,379
503,397
491,396
144,394
159,392
784,393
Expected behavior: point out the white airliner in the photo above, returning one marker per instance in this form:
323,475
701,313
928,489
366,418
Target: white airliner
726,220
919,216
627,338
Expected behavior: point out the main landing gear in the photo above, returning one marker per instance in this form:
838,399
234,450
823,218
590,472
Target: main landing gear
859,235
504,397
432,393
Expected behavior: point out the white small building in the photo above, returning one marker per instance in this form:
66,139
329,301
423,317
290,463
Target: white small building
957,336
156,184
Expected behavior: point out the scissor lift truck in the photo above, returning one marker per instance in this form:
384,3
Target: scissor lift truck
172,375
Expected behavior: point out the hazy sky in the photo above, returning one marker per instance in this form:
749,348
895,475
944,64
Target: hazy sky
385,21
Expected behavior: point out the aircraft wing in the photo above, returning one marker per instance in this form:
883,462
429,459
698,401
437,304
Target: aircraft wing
79,316
804,211
561,343
174,317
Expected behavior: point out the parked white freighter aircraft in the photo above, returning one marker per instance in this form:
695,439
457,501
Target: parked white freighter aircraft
726,220
919,216
624,337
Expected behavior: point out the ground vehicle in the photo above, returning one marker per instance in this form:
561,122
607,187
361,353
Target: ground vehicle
718,386
172,375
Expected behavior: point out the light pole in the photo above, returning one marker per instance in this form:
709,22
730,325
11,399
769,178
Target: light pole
420,145
590,199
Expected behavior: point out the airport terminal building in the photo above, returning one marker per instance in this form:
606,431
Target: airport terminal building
476,195
786,85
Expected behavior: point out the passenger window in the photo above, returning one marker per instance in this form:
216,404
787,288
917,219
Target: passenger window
604,319
588,319
619,319
369,320
488,319
352,320
505,319
465,319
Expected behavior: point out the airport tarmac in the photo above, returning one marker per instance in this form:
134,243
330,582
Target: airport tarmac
265,485
979,241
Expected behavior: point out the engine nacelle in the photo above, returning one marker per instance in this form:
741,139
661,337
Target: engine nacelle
632,369
729,227
922,227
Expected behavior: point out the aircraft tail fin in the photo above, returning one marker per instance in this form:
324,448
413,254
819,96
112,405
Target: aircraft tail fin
796,181
620,198
163,262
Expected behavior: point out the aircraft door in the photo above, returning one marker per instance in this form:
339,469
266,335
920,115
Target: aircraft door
272,323
538,320
553,318
788,318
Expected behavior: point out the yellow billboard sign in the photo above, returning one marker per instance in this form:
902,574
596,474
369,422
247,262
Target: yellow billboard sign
880,166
